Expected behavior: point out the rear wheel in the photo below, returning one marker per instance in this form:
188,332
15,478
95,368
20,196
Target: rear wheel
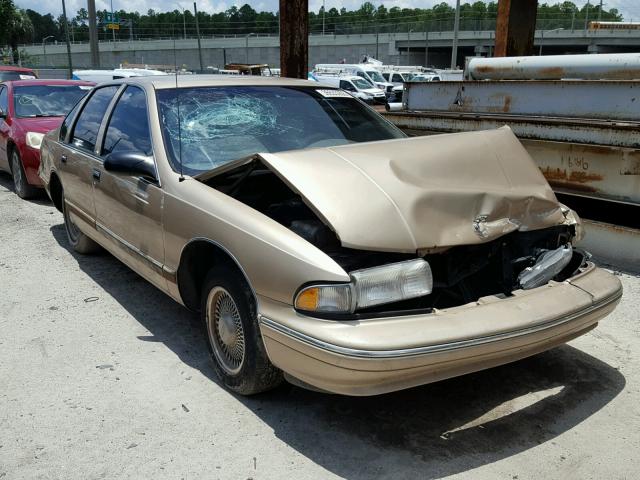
78,240
235,343
20,184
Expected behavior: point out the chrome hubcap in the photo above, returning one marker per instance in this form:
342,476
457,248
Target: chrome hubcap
224,327
17,173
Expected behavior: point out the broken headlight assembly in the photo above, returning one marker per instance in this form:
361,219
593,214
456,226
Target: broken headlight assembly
369,287
548,265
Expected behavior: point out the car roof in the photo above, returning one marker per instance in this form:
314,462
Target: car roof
32,82
169,81
14,68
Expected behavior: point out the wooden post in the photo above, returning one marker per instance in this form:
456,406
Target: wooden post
515,28
294,38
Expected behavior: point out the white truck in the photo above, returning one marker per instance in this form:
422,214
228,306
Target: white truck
356,86
366,71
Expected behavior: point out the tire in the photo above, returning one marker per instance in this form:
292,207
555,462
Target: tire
230,322
78,240
20,184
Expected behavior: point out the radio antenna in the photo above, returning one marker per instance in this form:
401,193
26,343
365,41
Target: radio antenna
175,66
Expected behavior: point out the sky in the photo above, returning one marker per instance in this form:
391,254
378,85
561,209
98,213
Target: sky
630,9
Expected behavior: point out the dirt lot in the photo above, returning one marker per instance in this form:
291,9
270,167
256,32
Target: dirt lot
102,376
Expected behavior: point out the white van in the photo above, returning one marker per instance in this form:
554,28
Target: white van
356,86
361,70
99,76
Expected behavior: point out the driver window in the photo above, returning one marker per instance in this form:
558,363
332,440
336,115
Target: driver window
128,129
347,86
85,132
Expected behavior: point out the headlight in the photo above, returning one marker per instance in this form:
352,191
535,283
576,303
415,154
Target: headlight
369,287
391,283
34,139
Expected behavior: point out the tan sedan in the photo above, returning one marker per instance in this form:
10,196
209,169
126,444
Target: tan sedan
318,243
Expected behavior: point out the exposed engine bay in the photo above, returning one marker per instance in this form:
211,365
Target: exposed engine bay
461,274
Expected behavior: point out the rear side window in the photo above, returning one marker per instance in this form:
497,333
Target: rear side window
85,132
64,128
128,129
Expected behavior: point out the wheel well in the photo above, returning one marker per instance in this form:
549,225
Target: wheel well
198,258
55,191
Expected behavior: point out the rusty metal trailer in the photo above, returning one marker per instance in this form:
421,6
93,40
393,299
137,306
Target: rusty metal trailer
583,134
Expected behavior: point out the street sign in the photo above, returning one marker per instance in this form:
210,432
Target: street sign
113,26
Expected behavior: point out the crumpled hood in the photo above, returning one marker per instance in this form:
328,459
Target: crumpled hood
422,193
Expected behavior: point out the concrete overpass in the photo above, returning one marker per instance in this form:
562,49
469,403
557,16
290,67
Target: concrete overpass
407,48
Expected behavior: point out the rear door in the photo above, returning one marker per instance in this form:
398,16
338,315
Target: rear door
78,160
129,207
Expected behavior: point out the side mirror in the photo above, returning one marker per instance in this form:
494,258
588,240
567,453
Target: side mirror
3,114
132,163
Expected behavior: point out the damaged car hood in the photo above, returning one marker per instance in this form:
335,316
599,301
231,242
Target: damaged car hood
422,193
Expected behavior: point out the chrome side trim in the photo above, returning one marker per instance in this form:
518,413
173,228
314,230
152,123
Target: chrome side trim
444,347
156,264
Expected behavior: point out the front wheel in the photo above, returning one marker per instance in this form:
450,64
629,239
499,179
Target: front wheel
20,184
235,343
78,240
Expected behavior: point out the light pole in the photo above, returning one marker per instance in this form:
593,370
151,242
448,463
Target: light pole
44,47
409,46
246,46
542,37
113,30
323,17
184,22
454,45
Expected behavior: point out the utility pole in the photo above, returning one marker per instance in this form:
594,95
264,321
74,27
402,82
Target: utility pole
426,44
93,35
294,38
573,18
408,44
113,21
184,21
195,11
377,42
600,11
586,18
456,28
323,13
66,34
515,28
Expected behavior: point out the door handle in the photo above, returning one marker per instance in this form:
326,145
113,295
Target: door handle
96,174
63,158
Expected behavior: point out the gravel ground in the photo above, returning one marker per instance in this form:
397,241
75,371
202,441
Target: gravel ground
103,376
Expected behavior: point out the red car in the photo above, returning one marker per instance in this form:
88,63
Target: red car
11,72
28,110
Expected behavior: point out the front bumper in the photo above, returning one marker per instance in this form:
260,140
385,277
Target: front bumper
369,357
31,162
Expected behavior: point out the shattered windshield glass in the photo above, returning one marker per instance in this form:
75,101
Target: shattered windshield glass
220,124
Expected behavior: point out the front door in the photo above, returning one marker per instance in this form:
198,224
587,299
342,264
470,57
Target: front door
129,207
79,160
